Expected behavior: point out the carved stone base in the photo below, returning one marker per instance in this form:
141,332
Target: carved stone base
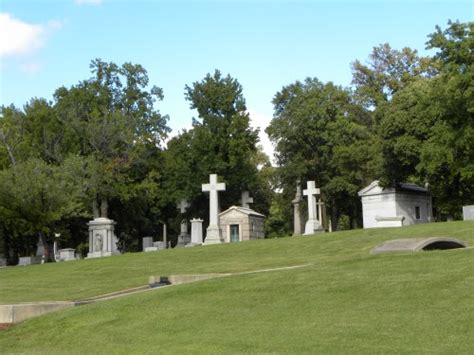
313,227
213,235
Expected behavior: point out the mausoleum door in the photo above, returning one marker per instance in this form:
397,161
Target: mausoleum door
234,233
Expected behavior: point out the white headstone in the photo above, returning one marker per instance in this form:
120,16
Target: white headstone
214,232
246,199
155,247
196,232
147,242
102,240
468,213
67,254
313,225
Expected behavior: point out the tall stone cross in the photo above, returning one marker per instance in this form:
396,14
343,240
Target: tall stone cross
214,233
183,205
246,199
312,225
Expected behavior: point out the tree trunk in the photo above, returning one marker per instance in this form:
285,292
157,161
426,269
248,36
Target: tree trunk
104,207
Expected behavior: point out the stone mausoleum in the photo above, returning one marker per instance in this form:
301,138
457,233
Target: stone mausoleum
241,223
397,206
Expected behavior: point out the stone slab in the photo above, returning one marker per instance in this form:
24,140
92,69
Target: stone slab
30,260
417,244
468,213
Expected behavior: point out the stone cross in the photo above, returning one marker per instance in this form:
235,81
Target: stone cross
214,233
246,199
183,205
313,225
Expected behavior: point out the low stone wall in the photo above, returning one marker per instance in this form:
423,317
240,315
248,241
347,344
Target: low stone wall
14,313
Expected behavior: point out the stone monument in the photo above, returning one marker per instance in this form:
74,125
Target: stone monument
102,240
245,199
183,237
296,210
214,232
313,225
67,254
147,242
196,232
468,213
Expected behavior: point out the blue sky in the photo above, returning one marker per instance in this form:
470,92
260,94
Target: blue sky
264,44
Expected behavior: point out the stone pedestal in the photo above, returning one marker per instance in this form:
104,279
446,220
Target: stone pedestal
183,237
196,232
313,226
102,240
213,235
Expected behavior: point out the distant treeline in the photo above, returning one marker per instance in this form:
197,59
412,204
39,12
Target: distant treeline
98,148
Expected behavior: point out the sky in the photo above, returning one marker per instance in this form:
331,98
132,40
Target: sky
264,44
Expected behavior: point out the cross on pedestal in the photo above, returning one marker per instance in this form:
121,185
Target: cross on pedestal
246,199
183,205
312,225
214,233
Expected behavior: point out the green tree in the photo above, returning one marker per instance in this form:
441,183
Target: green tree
388,71
427,128
321,134
13,133
35,195
115,122
221,142
447,157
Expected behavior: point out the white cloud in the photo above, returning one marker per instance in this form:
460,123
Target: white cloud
18,37
88,2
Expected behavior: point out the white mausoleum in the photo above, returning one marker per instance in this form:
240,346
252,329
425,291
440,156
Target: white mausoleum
395,206
241,223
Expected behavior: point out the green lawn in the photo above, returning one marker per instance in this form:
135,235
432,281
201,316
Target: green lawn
346,301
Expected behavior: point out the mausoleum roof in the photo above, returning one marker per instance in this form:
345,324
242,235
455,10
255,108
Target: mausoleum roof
244,210
374,188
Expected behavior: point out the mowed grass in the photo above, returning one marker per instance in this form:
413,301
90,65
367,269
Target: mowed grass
346,301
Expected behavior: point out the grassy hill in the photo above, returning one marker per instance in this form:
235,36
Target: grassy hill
345,301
